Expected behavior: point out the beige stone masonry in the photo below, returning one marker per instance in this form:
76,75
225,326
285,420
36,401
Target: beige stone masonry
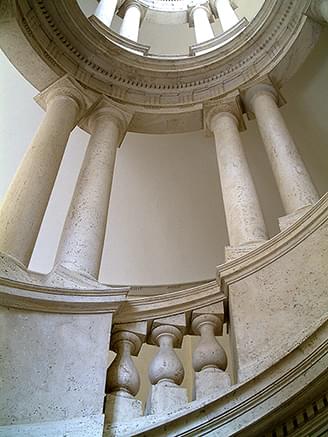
294,183
123,380
82,240
27,198
244,217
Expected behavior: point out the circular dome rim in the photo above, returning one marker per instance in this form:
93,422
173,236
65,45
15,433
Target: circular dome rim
179,89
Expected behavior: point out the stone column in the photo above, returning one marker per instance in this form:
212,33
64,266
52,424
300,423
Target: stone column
105,11
131,22
27,198
199,16
243,213
294,183
227,16
319,10
82,240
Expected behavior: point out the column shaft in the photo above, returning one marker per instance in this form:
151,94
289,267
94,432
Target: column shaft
27,198
203,28
319,10
324,9
131,22
105,11
228,17
82,240
294,183
242,209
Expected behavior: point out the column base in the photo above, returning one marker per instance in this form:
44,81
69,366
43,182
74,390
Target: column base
210,382
233,252
166,398
122,407
290,219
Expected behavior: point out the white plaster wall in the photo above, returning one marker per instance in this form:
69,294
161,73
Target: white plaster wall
166,220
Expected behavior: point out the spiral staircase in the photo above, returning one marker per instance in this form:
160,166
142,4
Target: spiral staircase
268,302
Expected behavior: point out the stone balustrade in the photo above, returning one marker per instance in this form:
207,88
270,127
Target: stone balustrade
166,370
199,16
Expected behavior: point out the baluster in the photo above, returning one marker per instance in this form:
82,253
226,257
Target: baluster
209,358
123,381
166,371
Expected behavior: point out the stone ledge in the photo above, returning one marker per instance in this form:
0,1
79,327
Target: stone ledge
81,427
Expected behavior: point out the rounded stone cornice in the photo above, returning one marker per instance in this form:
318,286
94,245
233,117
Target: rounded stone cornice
70,43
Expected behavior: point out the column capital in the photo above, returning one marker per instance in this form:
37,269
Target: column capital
318,11
229,105
68,87
206,7
215,10
7,10
263,87
105,108
128,3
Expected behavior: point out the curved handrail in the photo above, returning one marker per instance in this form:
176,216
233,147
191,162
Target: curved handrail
50,298
274,248
251,404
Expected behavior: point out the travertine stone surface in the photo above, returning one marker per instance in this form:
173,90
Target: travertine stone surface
27,198
228,17
54,367
105,11
132,19
82,240
91,426
199,18
248,407
166,397
319,10
210,382
294,182
121,407
209,359
289,219
277,306
166,371
242,208
233,252
59,278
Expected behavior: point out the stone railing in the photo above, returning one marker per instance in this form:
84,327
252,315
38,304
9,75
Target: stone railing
267,292
219,40
199,15
165,370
